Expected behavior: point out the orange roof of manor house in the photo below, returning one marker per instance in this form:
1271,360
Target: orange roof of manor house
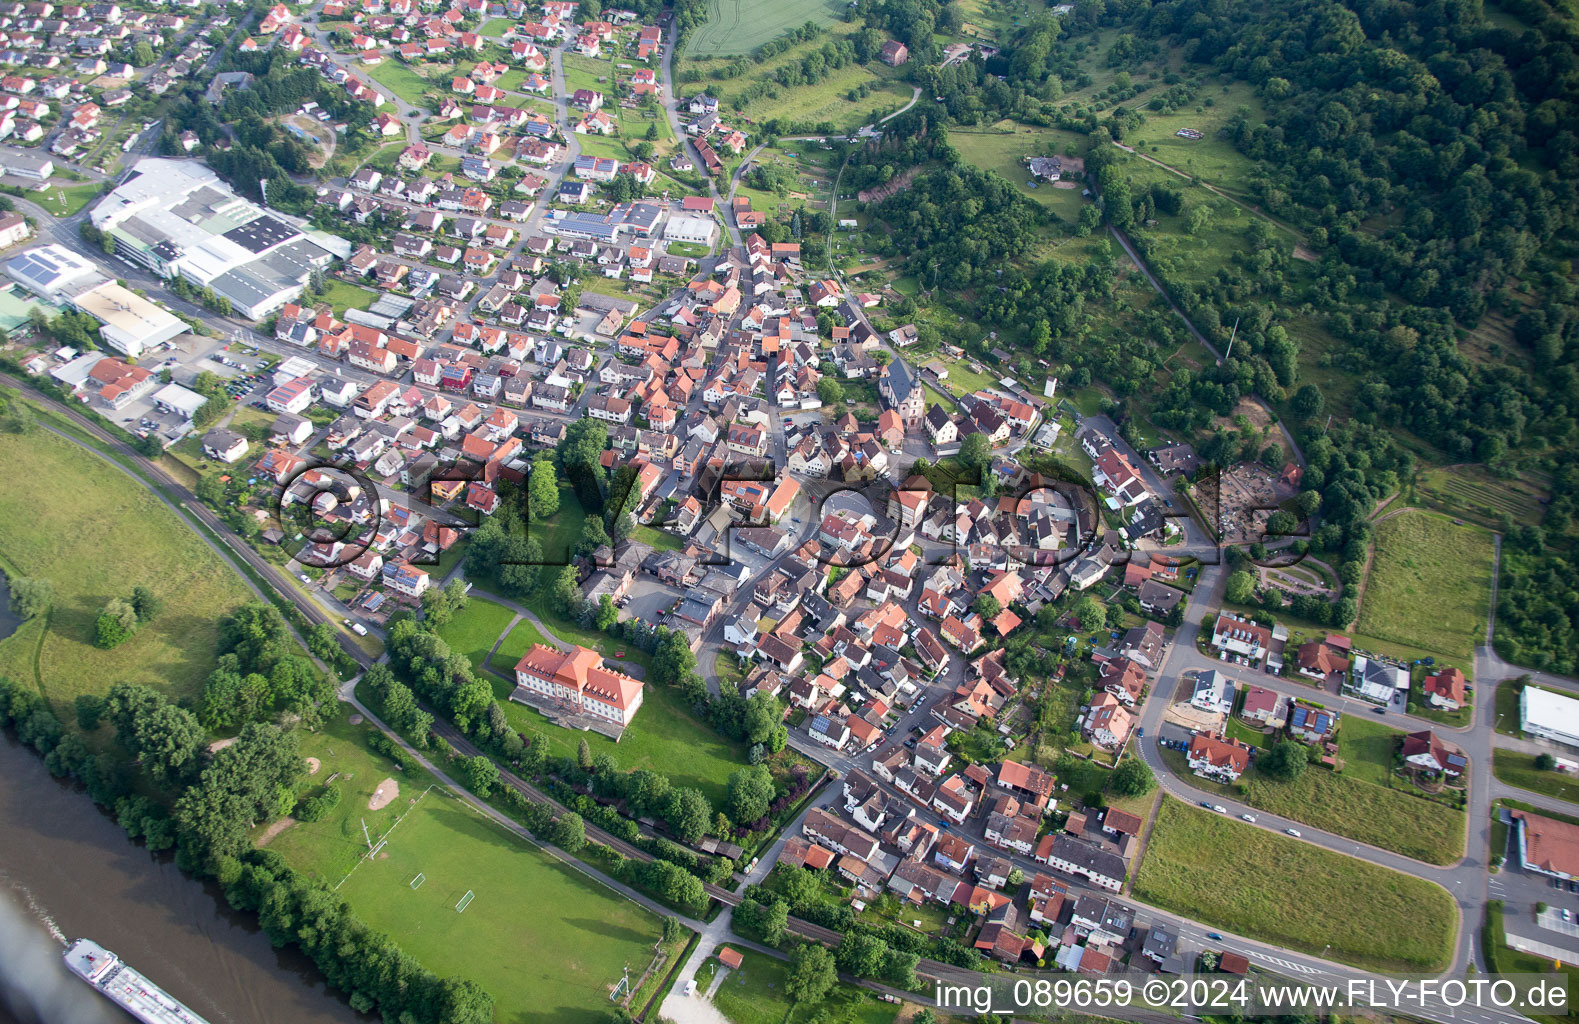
582,670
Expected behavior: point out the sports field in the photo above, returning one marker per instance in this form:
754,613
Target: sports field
1430,584
1368,915
329,848
735,27
547,943
95,533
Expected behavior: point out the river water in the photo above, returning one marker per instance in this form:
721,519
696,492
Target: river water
68,871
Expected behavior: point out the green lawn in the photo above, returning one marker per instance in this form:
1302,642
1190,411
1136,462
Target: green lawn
665,736
63,201
737,27
1429,585
496,27
543,940
343,295
330,848
754,994
476,629
1507,708
1004,148
1517,768
95,533
402,80
1366,747
1245,879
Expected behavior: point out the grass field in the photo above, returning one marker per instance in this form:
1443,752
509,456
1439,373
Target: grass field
543,940
475,630
330,848
1366,747
94,533
1367,813
754,994
63,201
401,80
496,27
1430,584
1355,804
735,27
1240,878
1005,153
1517,768
343,295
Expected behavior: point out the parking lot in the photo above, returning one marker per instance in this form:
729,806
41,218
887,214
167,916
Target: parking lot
648,599
1522,891
186,356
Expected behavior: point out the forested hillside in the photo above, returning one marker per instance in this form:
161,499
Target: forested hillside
1419,159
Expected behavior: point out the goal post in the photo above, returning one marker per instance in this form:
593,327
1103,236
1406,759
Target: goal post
417,881
465,901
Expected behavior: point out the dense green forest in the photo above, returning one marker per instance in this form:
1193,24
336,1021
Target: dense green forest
1424,152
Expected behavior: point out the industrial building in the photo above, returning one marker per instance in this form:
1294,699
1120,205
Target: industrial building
128,323
1551,716
695,230
178,219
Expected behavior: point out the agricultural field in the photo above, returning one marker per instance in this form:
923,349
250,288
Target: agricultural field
754,994
806,105
328,849
736,27
1368,916
523,903
111,536
1474,494
1429,585
1517,768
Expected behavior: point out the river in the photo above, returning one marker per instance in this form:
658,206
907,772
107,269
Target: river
68,871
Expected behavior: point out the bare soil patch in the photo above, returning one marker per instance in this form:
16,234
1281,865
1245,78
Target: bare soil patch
356,719
384,795
313,764
275,829
218,745
1060,183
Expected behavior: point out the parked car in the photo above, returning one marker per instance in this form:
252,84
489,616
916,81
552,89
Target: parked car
1293,832
304,578
1249,817
1206,804
1219,808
